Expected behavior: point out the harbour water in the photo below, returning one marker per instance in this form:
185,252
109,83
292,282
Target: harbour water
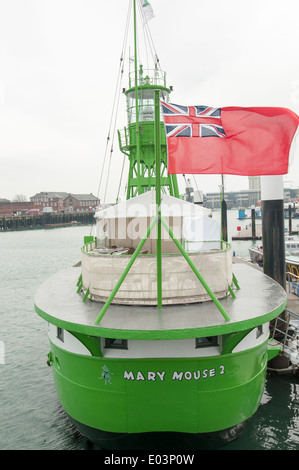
30,415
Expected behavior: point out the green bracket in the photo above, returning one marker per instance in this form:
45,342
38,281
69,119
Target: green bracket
79,280
92,343
88,239
273,349
195,270
231,292
231,340
86,295
236,282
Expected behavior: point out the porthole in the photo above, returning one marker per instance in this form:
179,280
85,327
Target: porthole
115,343
259,331
60,334
205,342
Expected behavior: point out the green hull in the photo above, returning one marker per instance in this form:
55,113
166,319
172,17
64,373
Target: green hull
189,395
163,381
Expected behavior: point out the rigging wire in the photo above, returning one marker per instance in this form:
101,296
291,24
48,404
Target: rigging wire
111,150
144,33
120,180
152,45
195,183
147,34
107,141
119,77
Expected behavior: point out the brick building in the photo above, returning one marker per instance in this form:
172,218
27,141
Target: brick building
80,202
7,207
49,199
65,202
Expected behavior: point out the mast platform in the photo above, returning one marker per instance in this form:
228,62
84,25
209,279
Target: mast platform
58,302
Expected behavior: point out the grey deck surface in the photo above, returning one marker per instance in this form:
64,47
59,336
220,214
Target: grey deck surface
259,296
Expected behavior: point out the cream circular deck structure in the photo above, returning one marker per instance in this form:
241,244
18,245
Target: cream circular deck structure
179,284
119,230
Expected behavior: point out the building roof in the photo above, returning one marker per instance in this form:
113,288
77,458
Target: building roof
84,197
51,194
64,195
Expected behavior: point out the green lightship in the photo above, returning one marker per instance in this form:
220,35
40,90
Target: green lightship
157,333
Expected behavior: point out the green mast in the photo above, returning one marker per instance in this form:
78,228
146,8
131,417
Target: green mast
137,129
137,141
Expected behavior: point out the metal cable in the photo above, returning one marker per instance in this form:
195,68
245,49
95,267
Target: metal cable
117,89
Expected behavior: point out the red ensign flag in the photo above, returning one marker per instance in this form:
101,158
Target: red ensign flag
230,140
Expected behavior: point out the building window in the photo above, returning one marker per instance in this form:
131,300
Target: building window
113,343
60,334
259,331
206,342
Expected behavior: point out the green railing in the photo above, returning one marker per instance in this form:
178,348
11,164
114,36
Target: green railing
88,248
148,76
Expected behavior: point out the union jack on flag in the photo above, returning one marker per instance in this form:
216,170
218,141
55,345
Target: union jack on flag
250,141
192,121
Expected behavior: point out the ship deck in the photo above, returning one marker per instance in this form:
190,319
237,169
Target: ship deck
259,300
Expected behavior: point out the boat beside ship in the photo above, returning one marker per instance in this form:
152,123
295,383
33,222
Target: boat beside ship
256,255
291,254
157,334
291,261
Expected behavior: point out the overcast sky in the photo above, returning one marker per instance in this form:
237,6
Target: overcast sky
59,62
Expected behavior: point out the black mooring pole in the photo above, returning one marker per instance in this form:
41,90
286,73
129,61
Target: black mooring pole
274,238
273,228
290,219
224,232
253,223
224,220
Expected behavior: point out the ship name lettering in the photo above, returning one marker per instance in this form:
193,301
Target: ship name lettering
144,376
176,375
188,375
